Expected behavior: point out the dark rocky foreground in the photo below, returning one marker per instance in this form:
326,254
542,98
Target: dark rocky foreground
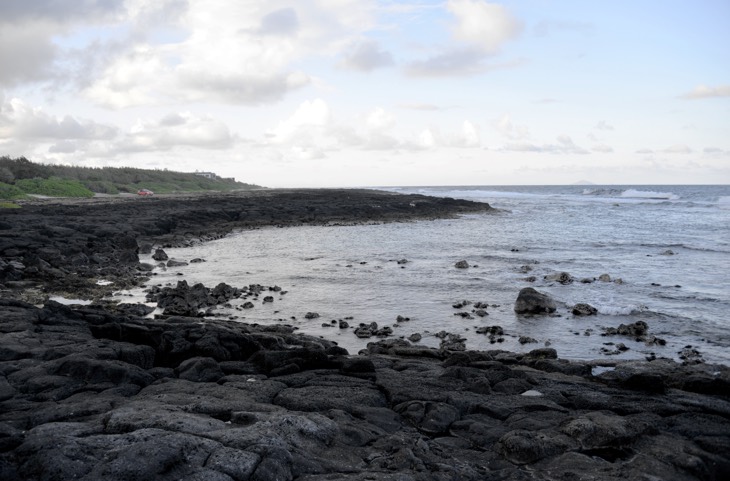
100,393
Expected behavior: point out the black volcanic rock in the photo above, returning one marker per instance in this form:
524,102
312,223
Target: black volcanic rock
101,393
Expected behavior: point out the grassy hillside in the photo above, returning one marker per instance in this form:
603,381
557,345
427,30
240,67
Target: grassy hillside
20,176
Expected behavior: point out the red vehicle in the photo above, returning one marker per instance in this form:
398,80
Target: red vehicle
145,192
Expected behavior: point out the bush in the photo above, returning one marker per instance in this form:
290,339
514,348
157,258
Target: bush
54,187
8,191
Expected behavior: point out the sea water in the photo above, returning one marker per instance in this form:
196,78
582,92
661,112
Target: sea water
669,247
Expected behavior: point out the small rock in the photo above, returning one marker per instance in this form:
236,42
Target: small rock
582,309
604,278
462,265
415,337
159,255
311,315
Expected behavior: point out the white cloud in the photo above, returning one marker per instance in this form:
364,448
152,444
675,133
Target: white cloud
703,91
366,56
139,77
504,126
485,25
175,130
427,139
21,121
311,117
379,120
469,135
602,148
603,125
480,30
226,51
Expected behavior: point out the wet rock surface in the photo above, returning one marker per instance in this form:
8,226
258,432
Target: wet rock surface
101,393
87,394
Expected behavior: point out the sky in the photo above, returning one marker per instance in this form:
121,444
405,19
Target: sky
328,93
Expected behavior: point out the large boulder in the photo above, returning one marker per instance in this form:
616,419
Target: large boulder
530,301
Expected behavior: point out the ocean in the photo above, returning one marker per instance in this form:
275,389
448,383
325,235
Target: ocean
666,250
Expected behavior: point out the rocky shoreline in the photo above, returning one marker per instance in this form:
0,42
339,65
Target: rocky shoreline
99,392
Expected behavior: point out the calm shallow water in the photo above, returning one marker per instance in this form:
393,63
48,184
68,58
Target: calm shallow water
586,231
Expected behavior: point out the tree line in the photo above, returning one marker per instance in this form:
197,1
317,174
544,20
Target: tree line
22,174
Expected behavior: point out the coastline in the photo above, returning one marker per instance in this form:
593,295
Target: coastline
85,391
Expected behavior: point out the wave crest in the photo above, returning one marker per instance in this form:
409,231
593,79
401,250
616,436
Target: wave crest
648,194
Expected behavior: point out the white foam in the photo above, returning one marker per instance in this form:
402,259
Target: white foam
648,194
69,302
615,310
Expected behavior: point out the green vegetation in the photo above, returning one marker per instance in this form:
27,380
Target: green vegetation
9,205
20,176
8,192
54,187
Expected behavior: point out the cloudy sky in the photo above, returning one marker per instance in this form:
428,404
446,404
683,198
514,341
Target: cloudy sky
373,92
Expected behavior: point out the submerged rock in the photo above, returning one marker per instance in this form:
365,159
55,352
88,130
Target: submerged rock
561,277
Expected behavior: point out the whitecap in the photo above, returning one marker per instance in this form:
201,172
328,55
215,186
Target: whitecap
648,194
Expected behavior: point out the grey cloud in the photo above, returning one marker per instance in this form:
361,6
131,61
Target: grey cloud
454,62
63,147
602,148
284,22
367,56
12,11
26,54
242,89
644,151
171,120
565,145
703,91
603,125
713,150
677,149
460,62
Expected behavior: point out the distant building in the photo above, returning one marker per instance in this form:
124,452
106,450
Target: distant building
207,175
